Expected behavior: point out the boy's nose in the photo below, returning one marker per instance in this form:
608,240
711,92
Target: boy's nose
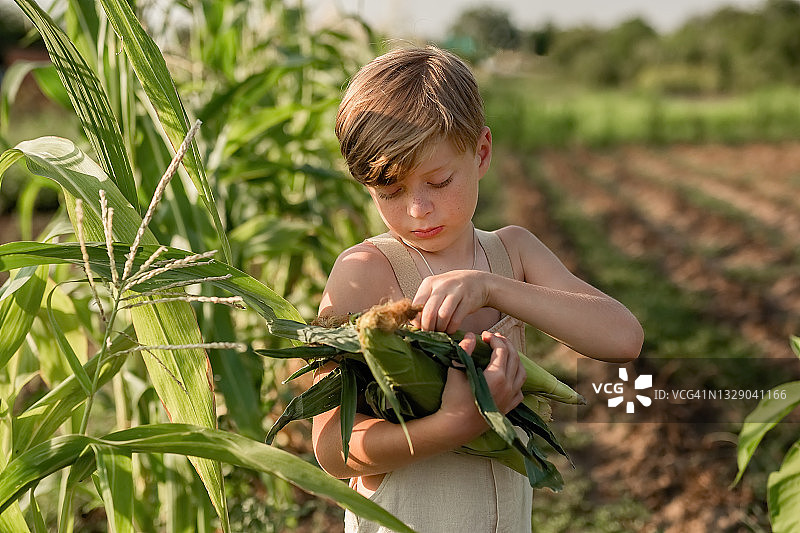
419,206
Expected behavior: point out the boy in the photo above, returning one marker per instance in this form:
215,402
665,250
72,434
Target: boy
411,129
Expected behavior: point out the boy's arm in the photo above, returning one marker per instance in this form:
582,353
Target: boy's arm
544,294
378,446
359,280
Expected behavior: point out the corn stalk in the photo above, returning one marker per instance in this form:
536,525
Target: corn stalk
146,278
164,328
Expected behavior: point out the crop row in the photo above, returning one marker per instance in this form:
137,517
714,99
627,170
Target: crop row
654,219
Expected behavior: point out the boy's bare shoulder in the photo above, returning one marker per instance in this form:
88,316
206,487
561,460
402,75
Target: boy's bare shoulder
361,277
531,258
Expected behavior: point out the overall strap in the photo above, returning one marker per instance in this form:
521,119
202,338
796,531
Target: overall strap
499,262
405,270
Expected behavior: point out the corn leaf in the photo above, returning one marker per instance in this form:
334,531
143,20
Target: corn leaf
409,371
374,361
18,308
255,294
321,397
344,338
40,421
302,352
38,520
781,401
237,383
538,381
524,416
348,403
49,83
151,69
541,473
8,158
783,493
483,398
13,521
48,457
180,377
12,80
53,365
72,359
88,99
115,477
313,365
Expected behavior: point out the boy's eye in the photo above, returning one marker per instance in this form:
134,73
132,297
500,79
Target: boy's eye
388,195
441,184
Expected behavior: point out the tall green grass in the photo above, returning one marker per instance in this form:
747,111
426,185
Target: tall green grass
530,113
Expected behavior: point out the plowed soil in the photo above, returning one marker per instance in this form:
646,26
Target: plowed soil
723,223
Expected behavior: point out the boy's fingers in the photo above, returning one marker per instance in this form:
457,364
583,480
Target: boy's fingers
504,355
429,315
456,319
422,295
468,342
499,356
445,313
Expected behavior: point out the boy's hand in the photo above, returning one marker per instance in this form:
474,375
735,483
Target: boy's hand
504,374
446,299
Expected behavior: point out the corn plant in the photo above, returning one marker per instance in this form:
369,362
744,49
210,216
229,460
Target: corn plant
137,287
266,89
783,485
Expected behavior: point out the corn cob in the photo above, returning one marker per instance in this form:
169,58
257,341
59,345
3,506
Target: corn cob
404,377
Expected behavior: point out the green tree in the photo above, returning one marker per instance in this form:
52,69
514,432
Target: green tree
539,41
489,28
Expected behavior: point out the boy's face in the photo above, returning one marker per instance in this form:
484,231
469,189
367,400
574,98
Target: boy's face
432,206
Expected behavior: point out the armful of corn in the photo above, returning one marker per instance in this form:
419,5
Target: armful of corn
401,371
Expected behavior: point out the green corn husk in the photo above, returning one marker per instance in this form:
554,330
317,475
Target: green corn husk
400,371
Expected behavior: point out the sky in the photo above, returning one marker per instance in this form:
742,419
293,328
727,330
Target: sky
431,18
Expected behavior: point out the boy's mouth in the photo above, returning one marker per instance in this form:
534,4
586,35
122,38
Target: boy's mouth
427,232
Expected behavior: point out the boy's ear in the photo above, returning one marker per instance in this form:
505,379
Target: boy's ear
483,153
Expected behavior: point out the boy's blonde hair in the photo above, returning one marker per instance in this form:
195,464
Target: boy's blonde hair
399,105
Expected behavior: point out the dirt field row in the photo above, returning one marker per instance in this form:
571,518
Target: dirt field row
749,277
663,204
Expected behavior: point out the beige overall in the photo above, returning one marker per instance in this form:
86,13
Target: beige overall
452,493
